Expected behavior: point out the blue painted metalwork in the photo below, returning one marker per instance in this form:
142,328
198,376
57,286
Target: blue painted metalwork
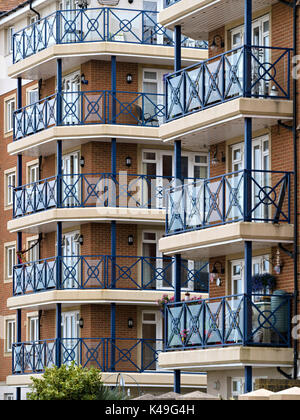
248,379
222,78
40,111
95,272
83,108
92,190
219,322
219,200
95,25
132,355
58,335
177,48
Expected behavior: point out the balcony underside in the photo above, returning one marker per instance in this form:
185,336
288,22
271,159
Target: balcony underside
199,17
210,242
225,121
45,221
226,358
48,300
150,379
44,142
43,64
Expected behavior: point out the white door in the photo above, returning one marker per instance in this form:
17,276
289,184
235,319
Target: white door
70,180
70,335
152,345
70,262
69,22
260,161
153,87
260,38
71,99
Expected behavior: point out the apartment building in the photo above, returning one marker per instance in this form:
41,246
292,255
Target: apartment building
83,173
241,104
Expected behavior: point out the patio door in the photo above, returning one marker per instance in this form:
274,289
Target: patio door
260,38
71,99
70,180
70,262
70,336
153,87
69,22
152,343
260,162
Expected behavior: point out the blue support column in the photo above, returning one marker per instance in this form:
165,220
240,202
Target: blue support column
177,47
177,280
58,335
19,93
113,233
248,379
59,91
247,191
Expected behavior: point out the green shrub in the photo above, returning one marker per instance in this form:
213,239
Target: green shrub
72,383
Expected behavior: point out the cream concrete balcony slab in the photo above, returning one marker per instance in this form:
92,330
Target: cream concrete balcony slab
143,379
225,121
199,17
44,142
210,242
45,221
226,358
43,64
47,300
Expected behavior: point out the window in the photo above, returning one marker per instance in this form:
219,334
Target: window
33,328
8,397
10,39
10,183
10,107
10,252
33,173
33,254
32,96
10,334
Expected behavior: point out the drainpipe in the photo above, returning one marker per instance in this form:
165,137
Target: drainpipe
33,10
295,145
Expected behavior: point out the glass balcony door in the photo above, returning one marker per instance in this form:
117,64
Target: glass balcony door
70,179
71,99
152,339
70,266
70,335
68,24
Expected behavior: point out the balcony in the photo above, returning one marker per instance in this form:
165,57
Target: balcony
131,355
86,108
213,93
219,207
229,332
198,18
238,320
90,30
100,272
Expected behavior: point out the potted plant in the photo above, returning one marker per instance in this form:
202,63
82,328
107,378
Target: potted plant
263,284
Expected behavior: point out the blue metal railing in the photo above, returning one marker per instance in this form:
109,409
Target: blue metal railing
220,200
95,25
132,355
256,320
92,190
83,108
95,272
221,78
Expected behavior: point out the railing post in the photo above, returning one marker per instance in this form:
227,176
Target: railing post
19,339
58,335
59,92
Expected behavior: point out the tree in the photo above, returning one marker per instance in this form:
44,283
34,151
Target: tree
71,383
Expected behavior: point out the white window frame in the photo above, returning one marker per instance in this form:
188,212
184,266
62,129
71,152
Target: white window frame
10,180
10,334
9,113
8,396
10,261
33,333
9,39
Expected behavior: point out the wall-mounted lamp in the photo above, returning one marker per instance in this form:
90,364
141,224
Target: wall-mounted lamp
130,323
130,240
128,161
81,323
215,44
277,263
79,239
214,274
129,78
81,161
83,80
215,160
